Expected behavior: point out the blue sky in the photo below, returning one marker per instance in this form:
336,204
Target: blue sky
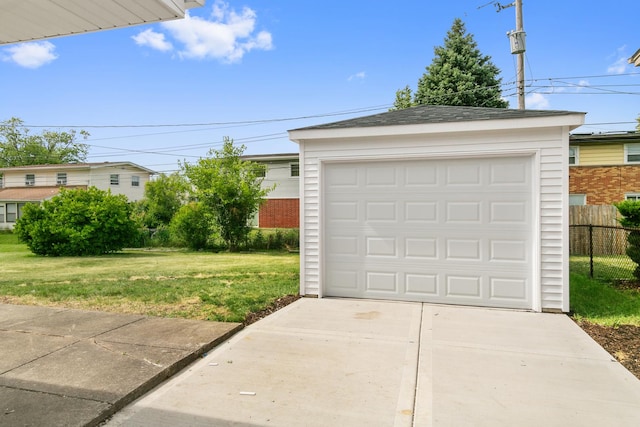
252,70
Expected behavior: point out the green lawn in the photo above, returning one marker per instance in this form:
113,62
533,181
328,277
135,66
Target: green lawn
193,285
226,287
599,300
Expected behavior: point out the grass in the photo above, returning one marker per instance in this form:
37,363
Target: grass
169,283
599,300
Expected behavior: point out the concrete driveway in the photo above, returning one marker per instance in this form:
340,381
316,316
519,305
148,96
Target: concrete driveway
338,362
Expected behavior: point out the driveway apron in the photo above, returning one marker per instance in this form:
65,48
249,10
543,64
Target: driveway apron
351,362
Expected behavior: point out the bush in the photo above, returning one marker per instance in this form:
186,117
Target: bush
77,222
191,226
630,211
276,239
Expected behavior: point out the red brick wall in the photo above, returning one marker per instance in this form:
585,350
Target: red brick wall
280,213
604,185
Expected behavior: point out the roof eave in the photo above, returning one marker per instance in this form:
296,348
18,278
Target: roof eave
570,120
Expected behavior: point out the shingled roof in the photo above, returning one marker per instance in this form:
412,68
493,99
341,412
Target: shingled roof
425,114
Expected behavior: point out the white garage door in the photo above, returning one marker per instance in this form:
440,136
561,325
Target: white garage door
454,231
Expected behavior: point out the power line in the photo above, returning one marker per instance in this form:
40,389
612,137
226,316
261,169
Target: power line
241,122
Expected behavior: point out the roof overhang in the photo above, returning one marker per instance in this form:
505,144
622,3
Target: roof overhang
76,166
635,58
28,20
271,157
569,120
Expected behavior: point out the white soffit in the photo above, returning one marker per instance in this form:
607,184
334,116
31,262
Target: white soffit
28,20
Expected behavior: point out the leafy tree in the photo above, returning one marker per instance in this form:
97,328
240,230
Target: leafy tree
458,75
20,148
230,189
77,222
630,211
191,225
163,197
403,99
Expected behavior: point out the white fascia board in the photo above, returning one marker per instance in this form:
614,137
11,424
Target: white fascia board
571,121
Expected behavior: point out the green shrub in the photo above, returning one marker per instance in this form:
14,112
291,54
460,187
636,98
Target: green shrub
191,226
77,222
272,239
630,211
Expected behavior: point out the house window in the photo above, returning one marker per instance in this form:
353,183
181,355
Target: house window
29,180
573,155
12,212
135,181
577,199
260,171
1,213
295,169
632,153
632,196
61,178
1,181
114,179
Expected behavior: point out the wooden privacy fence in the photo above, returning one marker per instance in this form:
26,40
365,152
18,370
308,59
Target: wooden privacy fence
595,230
594,215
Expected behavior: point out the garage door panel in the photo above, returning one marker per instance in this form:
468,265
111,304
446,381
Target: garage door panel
452,231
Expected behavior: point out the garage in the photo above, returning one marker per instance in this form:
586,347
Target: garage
450,230
455,205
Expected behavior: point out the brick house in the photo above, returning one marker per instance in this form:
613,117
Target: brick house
33,184
282,206
604,168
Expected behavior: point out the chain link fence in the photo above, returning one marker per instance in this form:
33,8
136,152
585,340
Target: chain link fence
599,251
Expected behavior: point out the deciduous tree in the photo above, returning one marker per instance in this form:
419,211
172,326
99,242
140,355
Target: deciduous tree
230,188
19,147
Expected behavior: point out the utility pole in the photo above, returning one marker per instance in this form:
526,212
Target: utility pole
518,47
520,79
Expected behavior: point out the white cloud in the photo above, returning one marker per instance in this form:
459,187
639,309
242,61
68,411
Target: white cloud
360,76
227,35
619,66
153,40
536,101
31,54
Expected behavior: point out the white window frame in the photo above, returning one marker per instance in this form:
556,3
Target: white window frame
30,180
13,213
61,178
632,150
632,196
582,198
114,179
294,169
1,180
575,156
2,214
135,181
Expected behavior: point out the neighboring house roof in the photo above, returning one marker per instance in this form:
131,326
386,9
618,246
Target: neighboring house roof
617,137
271,157
31,194
635,58
68,166
430,114
27,20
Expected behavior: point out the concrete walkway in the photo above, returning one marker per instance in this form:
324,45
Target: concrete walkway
335,362
62,367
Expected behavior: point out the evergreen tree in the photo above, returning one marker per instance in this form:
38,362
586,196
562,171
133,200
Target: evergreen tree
458,75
